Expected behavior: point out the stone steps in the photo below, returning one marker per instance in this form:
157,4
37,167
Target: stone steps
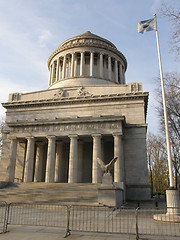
50,192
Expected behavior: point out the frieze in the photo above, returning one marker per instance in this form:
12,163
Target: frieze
68,127
83,92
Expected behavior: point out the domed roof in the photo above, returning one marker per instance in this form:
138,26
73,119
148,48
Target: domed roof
87,39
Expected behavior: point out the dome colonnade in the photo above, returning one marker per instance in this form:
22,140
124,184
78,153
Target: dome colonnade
85,57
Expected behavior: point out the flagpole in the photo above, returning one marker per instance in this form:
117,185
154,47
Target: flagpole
165,111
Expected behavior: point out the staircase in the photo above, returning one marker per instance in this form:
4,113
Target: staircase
65,193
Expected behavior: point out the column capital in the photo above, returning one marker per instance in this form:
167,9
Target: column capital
96,135
30,137
117,134
51,137
73,136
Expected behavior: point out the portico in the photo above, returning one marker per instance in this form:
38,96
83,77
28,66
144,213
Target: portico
76,150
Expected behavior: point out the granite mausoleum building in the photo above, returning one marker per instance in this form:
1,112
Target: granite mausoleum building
88,111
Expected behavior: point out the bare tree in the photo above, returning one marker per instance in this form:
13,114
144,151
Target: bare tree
157,163
172,90
169,12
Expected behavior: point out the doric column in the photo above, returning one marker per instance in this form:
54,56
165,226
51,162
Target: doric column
75,65
96,171
72,65
52,73
64,67
12,164
58,163
109,68
29,162
82,64
50,165
73,159
118,152
116,71
91,63
121,73
57,69
101,65
80,161
39,162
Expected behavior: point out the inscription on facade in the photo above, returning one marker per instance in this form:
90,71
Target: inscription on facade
67,127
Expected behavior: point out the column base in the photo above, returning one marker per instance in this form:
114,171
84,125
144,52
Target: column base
173,207
110,196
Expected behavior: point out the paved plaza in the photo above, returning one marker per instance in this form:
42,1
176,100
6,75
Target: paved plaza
44,233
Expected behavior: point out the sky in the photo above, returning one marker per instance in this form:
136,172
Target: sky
30,30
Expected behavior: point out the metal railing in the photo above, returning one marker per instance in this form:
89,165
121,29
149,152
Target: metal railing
38,214
102,219
3,217
165,226
90,219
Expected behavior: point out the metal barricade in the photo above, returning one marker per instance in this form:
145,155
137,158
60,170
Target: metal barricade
3,217
102,219
165,226
89,218
38,214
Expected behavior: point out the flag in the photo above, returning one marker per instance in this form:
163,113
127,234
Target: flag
147,25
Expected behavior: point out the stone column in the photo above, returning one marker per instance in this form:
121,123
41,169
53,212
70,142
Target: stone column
116,71
101,65
72,65
96,171
64,68
52,73
80,161
109,68
29,162
75,65
121,73
58,163
82,64
39,162
118,152
57,69
91,64
12,164
73,159
50,166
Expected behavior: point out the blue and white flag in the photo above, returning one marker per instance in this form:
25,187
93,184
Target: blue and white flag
147,25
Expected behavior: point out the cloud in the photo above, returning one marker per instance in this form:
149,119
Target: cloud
44,37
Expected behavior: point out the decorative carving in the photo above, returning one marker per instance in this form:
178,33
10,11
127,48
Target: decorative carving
106,168
83,93
136,87
107,177
60,93
61,127
15,97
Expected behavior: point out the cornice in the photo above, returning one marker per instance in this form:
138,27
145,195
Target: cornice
60,121
76,100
